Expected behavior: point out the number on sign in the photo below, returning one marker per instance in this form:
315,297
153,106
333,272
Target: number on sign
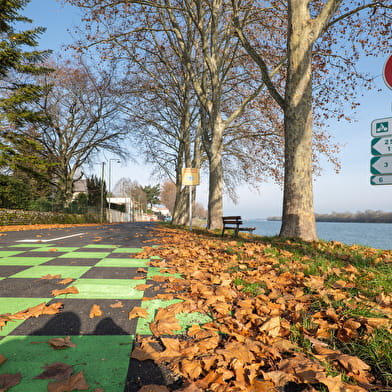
388,142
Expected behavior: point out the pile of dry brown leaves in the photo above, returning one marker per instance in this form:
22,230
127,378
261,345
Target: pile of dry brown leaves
44,226
249,345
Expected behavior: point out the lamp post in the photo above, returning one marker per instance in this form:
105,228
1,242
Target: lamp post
110,185
102,190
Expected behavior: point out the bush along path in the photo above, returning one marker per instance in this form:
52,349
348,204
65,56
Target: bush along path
269,315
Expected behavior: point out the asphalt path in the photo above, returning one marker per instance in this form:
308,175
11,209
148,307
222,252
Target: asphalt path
122,234
103,265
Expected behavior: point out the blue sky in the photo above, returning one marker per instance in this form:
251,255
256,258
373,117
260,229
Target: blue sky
350,190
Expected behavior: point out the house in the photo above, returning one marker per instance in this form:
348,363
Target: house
161,210
79,186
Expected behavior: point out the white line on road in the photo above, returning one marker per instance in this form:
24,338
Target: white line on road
52,239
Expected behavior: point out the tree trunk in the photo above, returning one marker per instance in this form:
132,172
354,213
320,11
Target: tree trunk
215,203
181,206
298,219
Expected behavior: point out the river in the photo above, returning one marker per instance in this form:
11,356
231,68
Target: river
375,235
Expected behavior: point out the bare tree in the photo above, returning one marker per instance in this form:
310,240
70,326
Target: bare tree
133,190
167,133
311,31
202,38
168,195
198,37
82,109
200,211
217,74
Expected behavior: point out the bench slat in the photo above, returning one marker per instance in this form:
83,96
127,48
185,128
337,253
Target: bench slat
235,222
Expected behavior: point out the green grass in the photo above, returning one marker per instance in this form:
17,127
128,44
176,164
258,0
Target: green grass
358,275
253,289
373,276
375,350
334,262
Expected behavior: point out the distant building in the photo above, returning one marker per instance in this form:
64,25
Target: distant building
80,186
116,216
161,210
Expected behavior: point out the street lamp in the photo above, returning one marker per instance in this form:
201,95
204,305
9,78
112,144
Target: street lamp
110,184
102,189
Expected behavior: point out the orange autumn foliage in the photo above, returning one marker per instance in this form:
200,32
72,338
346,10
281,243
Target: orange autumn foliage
247,346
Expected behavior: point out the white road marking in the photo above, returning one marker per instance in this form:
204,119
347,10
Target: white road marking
52,239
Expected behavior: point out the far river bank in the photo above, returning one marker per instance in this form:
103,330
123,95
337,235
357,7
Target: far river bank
375,235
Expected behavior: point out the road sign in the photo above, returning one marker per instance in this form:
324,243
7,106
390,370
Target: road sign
190,176
381,180
382,127
381,165
387,72
382,145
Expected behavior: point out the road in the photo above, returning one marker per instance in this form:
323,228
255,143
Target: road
101,262
125,234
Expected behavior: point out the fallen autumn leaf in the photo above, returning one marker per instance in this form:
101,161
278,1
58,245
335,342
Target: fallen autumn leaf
61,343
95,311
9,380
75,382
69,290
57,371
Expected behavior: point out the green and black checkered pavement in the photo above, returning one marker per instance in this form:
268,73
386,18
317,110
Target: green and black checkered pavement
104,275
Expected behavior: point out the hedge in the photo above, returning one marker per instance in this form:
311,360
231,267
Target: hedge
21,217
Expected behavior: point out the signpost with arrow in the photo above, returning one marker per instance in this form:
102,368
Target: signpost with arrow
381,145
381,164
381,180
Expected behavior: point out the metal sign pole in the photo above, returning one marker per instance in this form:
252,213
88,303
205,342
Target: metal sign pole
102,190
190,177
190,207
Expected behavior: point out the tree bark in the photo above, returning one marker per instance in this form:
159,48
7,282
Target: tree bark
181,209
215,199
298,213
215,203
181,206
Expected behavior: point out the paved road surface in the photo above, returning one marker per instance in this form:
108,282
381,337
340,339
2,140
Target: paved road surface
102,262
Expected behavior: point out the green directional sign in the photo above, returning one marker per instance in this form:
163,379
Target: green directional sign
381,127
381,180
382,145
381,165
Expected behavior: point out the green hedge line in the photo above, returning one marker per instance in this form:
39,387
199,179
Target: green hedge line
21,217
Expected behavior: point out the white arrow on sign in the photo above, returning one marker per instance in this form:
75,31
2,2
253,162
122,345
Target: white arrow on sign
381,180
381,165
382,145
382,127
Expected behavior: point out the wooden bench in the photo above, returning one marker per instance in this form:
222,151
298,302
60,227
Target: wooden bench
234,223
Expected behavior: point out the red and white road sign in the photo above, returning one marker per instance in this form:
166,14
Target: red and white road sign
387,72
